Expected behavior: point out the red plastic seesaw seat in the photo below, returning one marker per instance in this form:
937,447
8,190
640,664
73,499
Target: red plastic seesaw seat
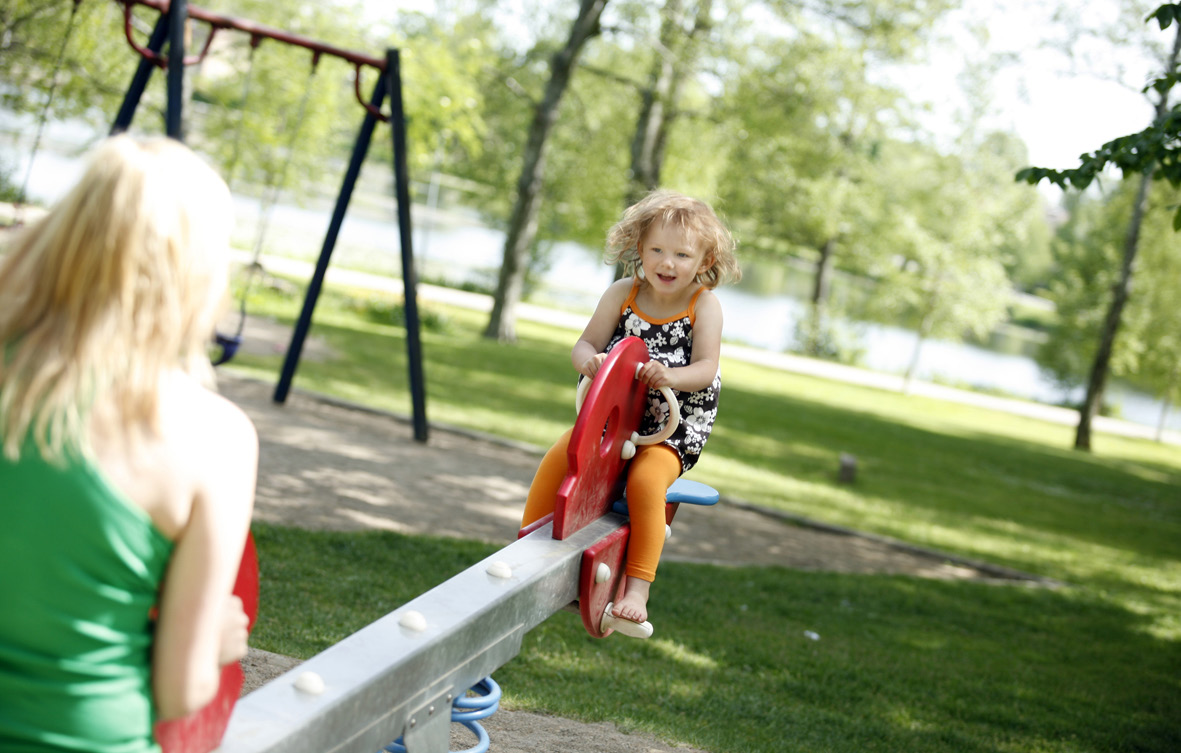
202,731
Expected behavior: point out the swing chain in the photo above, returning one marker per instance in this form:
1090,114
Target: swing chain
22,197
230,343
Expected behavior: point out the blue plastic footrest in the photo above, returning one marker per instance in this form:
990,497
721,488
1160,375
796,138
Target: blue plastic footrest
683,491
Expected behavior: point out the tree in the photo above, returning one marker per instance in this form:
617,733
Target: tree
63,59
522,227
1152,153
98,63
446,60
1155,317
1086,255
810,120
1087,251
271,115
676,54
945,278
800,164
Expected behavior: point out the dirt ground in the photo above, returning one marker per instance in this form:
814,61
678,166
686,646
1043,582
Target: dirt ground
327,465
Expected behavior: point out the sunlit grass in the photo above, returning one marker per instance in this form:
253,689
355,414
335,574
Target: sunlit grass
744,656
902,664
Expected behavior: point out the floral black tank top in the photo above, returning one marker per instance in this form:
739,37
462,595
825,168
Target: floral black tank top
670,341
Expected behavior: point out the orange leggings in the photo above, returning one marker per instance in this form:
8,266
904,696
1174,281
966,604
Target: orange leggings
650,473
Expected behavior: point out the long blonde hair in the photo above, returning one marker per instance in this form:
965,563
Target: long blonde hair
677,210
119,284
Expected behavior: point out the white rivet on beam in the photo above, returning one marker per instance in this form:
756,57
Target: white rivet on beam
310,683
500,570
413,621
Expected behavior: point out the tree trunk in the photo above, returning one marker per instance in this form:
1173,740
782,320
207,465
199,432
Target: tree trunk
923,332
658,111
1119,298
647,148
1122,288
522,230
821,285
1164,418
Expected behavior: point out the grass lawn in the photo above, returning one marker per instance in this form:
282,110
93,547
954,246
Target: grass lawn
902,664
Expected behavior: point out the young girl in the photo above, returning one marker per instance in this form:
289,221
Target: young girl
675,251
125,483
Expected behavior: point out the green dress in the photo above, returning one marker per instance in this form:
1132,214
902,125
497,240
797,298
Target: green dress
80,570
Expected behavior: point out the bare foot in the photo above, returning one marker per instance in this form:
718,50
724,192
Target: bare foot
634,604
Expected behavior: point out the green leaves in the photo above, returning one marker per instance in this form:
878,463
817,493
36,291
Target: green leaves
1157,148
1163,84
1165,15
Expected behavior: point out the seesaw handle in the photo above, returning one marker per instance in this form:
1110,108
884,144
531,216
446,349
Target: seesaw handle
674,411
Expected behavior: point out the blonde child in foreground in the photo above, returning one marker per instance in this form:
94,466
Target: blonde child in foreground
125,482
675,251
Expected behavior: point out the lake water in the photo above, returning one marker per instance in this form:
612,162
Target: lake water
456,249
768,320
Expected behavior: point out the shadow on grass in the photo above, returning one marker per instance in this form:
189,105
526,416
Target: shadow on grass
900,664
959,479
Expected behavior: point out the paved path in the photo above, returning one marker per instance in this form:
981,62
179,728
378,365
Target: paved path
324,465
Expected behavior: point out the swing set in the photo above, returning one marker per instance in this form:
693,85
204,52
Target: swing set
407,676
170,28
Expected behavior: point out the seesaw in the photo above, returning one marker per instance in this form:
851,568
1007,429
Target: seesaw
604,438
399,677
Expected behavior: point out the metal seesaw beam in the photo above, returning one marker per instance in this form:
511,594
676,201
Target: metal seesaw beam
387,681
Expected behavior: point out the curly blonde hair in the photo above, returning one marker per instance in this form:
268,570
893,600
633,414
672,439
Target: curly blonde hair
119,284
692,215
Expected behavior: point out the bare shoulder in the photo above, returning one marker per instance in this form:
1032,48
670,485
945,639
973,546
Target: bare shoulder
207,424
618,291
220,446
708,307
205,448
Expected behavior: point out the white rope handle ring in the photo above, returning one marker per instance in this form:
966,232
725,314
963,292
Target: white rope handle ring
629,446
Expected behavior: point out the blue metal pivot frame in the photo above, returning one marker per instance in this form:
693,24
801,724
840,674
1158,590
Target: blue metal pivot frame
139,81
178,15
409,279
169,28
391,81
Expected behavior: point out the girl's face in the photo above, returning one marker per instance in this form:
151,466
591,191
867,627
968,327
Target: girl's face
671,258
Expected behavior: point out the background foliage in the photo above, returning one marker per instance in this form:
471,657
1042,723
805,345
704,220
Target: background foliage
785,117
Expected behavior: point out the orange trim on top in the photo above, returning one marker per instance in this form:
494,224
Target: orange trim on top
631,301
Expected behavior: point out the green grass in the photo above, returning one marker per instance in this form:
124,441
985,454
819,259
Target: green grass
903,664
